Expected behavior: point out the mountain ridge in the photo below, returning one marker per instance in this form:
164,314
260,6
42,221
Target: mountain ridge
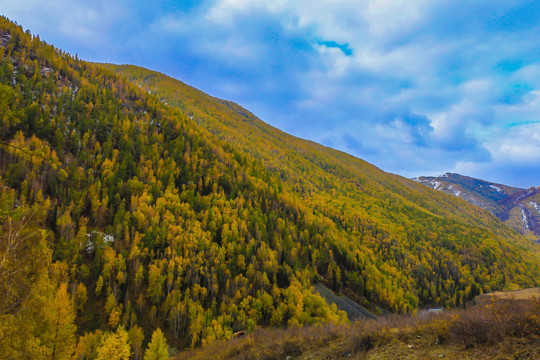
517,207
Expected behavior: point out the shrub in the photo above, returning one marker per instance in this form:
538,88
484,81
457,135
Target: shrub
491,323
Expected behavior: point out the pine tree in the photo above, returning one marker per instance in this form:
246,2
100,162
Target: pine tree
61,326
157,349
115,346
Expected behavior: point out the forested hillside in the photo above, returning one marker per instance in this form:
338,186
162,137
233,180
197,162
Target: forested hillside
308,168
121,214
344,186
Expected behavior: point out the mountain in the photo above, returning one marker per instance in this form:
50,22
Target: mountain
130,202
308,168
518,208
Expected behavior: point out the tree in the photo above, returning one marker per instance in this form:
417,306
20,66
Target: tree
61,326
115,346
7,118
136,337
157,349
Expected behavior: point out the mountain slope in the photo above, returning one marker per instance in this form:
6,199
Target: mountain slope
151,219
309,169
518,208
307,166
344,186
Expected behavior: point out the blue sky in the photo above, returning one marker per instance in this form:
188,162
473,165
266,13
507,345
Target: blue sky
415,87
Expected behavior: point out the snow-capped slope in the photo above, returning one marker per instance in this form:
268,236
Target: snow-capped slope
519,208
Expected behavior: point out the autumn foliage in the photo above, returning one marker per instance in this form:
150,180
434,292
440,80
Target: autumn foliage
141,217
507,329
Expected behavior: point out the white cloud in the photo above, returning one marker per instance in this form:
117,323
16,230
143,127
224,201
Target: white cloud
526,110
383,18
336,62
519,144
81,21
390,16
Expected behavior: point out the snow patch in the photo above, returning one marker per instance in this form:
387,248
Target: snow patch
45,70
524,217
436,184
89,246
535,205
499,190
108,239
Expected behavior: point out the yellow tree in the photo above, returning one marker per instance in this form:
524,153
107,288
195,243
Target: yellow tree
136,337
60,317
115,346
157,349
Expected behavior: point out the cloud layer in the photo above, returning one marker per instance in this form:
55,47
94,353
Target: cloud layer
416,87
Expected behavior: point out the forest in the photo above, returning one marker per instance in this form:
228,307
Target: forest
137,212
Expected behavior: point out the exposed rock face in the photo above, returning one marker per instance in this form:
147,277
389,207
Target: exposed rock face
518,208
4,38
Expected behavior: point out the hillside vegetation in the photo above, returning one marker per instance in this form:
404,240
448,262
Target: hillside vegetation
352,193
122,214
497,330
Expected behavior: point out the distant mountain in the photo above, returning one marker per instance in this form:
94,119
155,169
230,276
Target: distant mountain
519,208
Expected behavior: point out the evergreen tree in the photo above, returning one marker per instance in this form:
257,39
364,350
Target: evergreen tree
115,346
157,349
60,318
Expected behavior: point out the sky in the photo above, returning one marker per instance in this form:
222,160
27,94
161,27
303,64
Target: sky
415,87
